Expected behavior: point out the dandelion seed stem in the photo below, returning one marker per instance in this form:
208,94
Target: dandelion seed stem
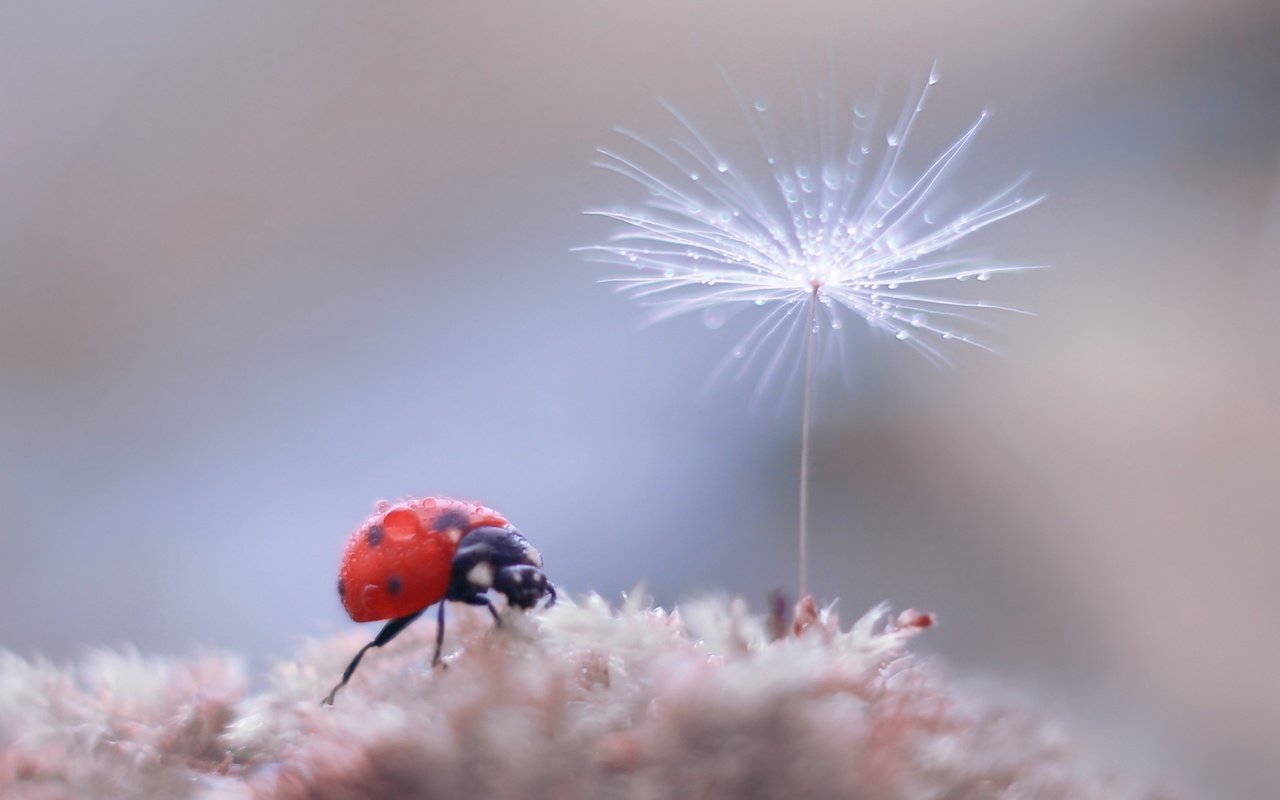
806,423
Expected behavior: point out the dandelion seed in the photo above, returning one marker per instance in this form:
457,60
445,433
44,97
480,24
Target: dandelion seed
811,231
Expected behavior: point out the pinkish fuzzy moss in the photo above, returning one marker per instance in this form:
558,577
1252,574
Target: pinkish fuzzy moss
582,701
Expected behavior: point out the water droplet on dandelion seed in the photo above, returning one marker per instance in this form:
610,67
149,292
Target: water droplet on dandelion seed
713,318
902,335
984,276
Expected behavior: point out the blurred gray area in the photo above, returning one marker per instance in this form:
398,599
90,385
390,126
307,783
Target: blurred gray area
262,264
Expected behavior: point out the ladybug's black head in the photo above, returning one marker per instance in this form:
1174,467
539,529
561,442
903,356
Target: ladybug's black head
499,559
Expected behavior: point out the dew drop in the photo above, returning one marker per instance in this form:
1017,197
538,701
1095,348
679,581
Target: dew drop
893,139
902,335
713,318
836,324
739,353
933,76
893,286
668,273
984,276
918,320
864,149
759,301
962,277
722,167
761,106
695,176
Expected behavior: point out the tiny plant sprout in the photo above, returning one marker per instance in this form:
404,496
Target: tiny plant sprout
806,233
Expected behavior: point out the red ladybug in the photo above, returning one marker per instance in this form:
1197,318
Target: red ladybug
411,554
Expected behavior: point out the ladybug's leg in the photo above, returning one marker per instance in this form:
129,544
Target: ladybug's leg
435,659
482,600
471,600
388,632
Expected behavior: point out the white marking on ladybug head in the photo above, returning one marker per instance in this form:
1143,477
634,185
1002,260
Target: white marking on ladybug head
532,553
481,575
454,534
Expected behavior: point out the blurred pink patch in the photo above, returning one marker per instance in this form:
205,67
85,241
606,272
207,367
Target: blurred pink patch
582,701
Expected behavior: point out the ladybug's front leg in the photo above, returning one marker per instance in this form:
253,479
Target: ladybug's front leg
472,599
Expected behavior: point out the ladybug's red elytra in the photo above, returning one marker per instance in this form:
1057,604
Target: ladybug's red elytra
419,551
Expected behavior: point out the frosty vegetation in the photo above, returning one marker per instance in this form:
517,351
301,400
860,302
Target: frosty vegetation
582,701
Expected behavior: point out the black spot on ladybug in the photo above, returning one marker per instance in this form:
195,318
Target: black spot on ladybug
449,520
342,588
375,535
394,585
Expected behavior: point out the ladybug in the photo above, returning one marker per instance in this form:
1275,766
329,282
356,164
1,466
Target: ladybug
419,551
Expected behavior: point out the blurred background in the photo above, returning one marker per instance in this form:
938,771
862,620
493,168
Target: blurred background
262,264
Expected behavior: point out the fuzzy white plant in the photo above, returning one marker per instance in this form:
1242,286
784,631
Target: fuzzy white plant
582,701
808,231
